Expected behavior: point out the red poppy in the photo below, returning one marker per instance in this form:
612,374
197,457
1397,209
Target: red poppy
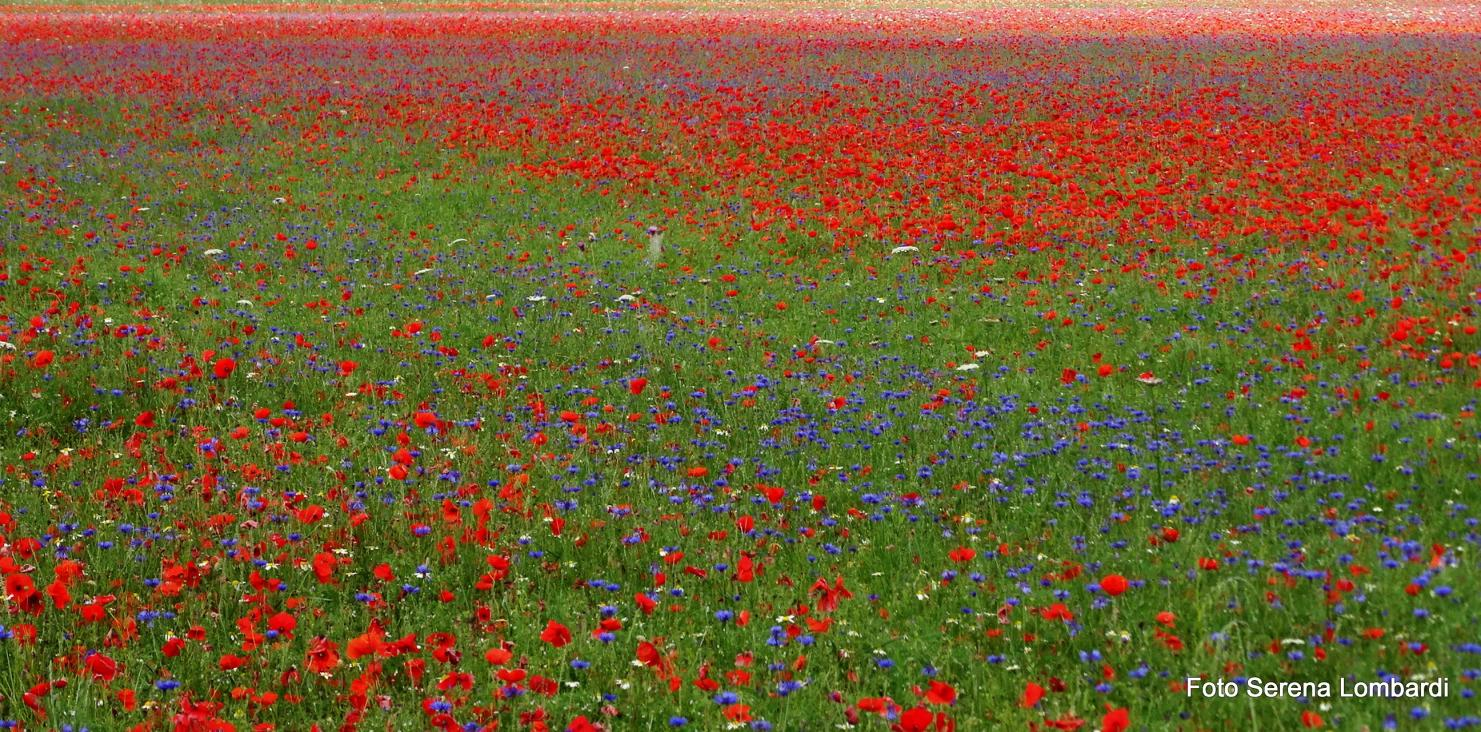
940,693
369,643
917,719
323,656
555,634
173,647
1069,723
1114,584
223,368
745,569
1032,693
19,585
828,597
60,596
582,724
101,667
649,656
283,624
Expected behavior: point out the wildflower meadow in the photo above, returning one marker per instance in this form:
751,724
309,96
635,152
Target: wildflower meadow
695,365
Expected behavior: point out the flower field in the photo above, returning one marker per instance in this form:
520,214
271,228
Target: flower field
650,365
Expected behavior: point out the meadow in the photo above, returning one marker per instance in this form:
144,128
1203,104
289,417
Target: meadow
1003,368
